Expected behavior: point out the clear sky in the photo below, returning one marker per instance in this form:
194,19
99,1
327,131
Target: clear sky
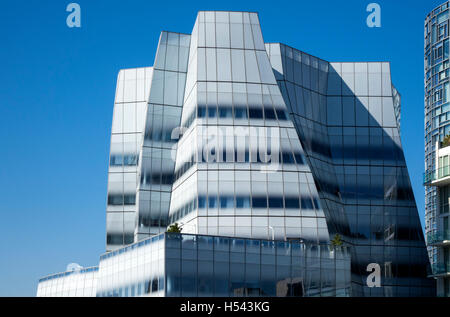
57,88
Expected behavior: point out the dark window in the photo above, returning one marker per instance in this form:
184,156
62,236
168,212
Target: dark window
166,179
226,202
240,113
129,199
255,113
259,202
275,202
242,202
128,238
225,113
116,160
117,200
269,113
281,114
307,203
316,203
212,111
156,178
201,112
288,158
130,160
114,239
212,202
155,285
292,203
299,159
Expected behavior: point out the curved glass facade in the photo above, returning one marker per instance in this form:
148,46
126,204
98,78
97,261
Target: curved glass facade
249,147
78,283
184,265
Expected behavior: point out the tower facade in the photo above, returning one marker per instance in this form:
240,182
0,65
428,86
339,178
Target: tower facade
437,130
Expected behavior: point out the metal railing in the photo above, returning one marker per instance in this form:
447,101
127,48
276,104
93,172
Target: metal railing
441,172
439,268
437,237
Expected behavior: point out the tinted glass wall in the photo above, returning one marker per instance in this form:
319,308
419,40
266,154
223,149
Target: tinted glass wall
221,266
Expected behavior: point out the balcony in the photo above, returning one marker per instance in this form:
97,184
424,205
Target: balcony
438,177
439,269
428,177
439,238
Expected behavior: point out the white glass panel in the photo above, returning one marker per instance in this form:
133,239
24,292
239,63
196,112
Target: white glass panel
223,35
238,65
257,37
156,94
223,65
211,64
201,67
210,31
386,84
251,67
361,84
237,35
170,88
248,37
375,84
264,68
389,118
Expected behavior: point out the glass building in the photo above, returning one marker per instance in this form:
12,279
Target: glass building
437,129
188,265
260,152
74,283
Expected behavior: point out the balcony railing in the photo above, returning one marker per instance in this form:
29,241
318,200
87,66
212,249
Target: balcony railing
439,268
430,176
438,237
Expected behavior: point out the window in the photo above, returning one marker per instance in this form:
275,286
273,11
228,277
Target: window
226,202
119,199
307,203
281,114
316,203
288,158
438,52
446,55
212,112
255,113
259,202
116,160
201,202
275,202
299,159
201,112
240,113
292,203
242,202
212,202
129,199
225,112
269,114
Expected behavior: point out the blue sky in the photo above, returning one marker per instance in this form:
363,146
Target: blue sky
57,90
